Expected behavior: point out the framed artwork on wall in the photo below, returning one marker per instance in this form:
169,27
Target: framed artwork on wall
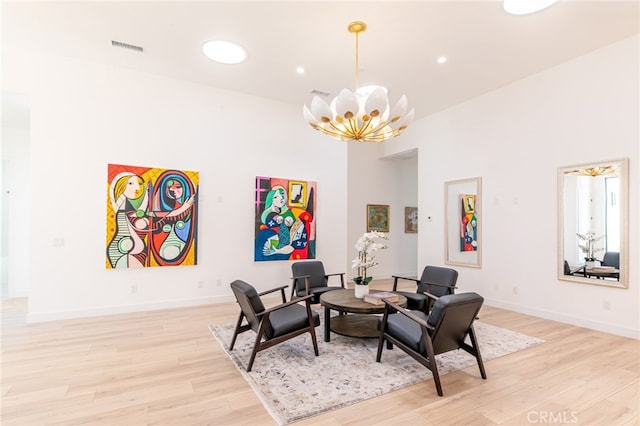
377,217
463,220
151,217
411,220
285,226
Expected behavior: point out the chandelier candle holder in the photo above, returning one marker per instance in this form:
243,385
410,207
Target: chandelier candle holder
362,115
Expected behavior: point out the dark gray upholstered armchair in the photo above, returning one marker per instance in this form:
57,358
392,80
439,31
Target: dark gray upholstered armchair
273,325
611,258
310,278
424,336
435,280
568,270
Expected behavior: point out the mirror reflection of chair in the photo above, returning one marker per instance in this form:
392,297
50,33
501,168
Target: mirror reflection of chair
424,336
568,270
273,325
610,259
309,277
435,280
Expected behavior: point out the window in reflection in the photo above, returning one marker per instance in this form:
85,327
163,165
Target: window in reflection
612,213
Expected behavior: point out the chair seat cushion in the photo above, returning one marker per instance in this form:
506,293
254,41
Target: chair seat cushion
291,318
415,301
406,330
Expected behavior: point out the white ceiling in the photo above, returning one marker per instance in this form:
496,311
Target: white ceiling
486,48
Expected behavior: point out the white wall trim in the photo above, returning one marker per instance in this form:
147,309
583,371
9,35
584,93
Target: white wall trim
134,308
567,319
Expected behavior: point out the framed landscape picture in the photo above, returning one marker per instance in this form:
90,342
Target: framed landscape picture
377,217
411,220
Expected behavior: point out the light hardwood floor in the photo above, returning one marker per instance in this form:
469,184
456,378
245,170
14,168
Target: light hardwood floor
165,368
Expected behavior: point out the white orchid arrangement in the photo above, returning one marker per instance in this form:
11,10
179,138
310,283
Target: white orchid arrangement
588,245
366,246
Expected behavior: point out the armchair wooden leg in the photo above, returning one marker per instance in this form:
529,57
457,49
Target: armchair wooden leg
380,343
253,353
258,342
236,331
312,329
434,367
474,343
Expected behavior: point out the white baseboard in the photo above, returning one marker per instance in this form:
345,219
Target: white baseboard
567,319
126,309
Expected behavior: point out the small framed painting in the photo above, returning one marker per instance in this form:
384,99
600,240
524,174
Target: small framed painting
411,220
377,217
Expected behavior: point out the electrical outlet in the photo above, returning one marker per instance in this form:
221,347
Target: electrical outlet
606,305
219,283
200,284
515,290
134,289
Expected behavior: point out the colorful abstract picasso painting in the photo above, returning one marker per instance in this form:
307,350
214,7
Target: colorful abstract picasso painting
468,223
285,225
151,217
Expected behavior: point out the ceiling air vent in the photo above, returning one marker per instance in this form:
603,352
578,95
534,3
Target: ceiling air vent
126,46
319,93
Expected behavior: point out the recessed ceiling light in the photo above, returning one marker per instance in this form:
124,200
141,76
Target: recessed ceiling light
300,70
224,52
524,7
442,59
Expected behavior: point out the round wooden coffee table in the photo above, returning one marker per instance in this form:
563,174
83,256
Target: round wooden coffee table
360,323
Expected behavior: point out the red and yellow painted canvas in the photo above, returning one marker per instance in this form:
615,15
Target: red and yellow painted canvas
285,226
468,223
151,217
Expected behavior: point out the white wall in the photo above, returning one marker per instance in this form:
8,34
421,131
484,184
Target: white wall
586,110
86,115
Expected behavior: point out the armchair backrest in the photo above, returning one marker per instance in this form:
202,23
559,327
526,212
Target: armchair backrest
249,301
446,277
451,317
611,258
313,268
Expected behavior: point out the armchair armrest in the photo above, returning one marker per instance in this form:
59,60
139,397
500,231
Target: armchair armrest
397,277
306,284
284,305
399,309
440,285
341,274
300,276
430,296
281,288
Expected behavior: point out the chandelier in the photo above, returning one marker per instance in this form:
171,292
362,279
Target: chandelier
596,171
363,115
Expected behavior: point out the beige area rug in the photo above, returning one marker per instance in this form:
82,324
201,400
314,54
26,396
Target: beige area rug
294,384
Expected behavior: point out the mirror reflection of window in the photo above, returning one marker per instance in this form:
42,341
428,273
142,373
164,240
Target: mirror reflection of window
612,213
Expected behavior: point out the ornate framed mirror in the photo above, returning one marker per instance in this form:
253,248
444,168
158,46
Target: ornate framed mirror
593,223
